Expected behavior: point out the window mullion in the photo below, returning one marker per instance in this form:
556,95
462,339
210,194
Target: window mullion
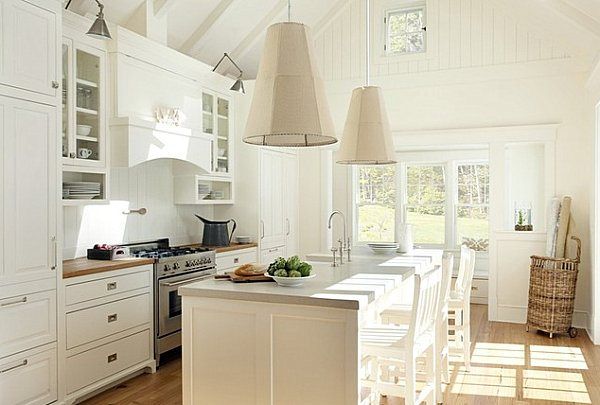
450,205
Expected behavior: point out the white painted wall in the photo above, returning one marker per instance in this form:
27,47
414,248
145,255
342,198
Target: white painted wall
148,185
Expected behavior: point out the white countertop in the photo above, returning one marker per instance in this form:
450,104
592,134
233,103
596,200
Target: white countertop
353,285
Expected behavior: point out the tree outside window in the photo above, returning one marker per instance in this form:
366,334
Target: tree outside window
425,206
376,202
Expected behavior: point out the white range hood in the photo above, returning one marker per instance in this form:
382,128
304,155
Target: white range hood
136,140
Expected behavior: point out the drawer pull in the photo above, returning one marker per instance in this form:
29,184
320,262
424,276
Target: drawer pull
111,286
112,357
14,302
112,318
273,250
474,288
236,259
21,364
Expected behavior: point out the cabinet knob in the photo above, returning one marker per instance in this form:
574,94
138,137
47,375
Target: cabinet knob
54,84
112,318
111,286
72,155
112,357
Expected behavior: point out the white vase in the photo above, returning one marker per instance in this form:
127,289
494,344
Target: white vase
405,238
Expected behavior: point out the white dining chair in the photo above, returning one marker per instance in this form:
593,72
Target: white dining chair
398,347
459,307
400,314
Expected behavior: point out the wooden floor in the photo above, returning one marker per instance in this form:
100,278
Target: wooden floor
509,366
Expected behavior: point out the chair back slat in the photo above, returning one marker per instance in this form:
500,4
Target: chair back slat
465,271
447,268
425,303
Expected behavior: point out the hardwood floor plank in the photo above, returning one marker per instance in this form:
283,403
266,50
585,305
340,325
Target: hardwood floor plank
510,366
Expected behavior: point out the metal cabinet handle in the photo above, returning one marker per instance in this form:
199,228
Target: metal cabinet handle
273,250
55,250
236,259
54,84
111,286
21,300
186,281
112,357
262,229
112,318
287,221
473,288
21,364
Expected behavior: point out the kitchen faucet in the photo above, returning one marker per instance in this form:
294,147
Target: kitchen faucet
344,243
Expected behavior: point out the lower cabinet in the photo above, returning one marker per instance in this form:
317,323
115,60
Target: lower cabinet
229,261
109,328
267,256
29,378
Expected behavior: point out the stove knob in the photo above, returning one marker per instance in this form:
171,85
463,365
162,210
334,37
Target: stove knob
167,267
175,266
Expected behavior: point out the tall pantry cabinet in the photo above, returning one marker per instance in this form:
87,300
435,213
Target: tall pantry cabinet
29,254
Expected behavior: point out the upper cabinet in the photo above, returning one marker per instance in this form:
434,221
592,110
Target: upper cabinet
29,36
83,103
217,123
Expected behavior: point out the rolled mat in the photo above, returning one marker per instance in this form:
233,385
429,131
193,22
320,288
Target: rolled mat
563,226
552,226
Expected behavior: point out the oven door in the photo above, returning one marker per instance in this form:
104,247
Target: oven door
169,302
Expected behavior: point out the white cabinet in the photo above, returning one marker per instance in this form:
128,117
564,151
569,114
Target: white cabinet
279,201
29,184
229,261
29,378
217,122
269,255
29,45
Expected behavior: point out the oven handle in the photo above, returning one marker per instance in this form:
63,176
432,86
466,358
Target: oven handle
186,281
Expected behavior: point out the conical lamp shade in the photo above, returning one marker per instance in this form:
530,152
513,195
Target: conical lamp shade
99,29
367,136
289,107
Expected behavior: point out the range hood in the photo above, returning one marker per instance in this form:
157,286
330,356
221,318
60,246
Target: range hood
136,140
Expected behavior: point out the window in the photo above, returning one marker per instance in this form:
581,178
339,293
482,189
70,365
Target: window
472,205
405,31
375,203
425,206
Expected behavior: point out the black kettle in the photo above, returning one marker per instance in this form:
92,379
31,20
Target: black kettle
216,232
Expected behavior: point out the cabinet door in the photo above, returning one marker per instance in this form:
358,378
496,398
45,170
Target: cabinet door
29,46
272,198
291,204
29,190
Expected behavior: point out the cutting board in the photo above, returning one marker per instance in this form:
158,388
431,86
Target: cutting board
231,276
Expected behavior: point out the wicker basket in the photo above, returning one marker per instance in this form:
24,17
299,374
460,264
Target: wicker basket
552,285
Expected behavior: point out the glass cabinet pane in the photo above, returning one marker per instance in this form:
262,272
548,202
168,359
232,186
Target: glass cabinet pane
207,113
66,87
87,105
223,135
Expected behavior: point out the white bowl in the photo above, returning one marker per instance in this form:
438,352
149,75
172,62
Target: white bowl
84,130
243,239
290,281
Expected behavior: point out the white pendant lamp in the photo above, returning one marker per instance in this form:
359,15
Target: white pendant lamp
367,138
289,107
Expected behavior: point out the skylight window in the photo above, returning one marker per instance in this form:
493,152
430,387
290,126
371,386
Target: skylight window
405,31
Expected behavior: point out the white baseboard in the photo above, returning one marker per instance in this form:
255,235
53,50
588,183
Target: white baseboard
516,314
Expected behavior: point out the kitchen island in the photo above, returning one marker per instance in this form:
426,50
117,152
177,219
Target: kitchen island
260,343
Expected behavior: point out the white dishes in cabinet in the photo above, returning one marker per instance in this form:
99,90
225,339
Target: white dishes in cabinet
81,190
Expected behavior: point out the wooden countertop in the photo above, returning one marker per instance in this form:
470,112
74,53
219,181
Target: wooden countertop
83,266
230,248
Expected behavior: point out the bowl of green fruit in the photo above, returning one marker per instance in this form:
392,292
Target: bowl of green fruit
292,272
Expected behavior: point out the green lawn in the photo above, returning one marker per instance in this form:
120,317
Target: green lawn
377,223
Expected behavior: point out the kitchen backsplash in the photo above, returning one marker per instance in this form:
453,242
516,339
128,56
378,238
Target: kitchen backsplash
148,185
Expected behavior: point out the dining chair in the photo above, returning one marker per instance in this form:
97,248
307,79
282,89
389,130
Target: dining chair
459,306
400,314
397,347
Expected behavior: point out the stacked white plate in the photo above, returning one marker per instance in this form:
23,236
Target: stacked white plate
383,247
81,190
203,191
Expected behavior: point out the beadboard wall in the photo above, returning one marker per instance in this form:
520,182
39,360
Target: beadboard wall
461,34
148,185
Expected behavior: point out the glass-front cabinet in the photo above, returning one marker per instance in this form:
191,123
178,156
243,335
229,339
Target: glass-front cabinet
216,122
83,126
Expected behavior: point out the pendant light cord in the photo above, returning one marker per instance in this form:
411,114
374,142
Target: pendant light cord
289,10
368,43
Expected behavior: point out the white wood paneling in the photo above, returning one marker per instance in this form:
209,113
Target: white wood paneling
468,33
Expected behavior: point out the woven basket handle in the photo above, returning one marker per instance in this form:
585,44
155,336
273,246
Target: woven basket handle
578,242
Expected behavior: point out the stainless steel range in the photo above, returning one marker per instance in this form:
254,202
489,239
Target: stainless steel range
173,268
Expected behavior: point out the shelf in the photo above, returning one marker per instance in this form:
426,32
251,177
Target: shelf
207,112
214,202
86,111
224,117
222,157
87,138
222,138
87,83
76,203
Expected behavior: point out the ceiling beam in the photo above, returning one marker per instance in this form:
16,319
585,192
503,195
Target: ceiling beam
329,17
575,15
249,40
195,40
162,7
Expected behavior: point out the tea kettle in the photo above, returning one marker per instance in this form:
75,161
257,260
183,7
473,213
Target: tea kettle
216,233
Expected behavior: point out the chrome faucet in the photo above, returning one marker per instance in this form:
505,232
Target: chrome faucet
345,242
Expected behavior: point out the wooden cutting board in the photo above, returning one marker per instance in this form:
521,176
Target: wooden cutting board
231,276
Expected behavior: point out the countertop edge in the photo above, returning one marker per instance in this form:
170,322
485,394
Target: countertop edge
86,267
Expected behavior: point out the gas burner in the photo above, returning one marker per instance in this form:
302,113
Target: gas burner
160,253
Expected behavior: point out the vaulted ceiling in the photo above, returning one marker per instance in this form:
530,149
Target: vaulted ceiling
204,29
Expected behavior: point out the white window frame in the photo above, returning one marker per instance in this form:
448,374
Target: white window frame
404,10
455,202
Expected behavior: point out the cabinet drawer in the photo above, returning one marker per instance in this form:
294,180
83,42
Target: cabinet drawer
269,255
93,365
479,288
29,378
232,260
107,286
27,321
94,323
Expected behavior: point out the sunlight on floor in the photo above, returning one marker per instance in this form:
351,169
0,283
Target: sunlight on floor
499,354
557,357
486,381
555,386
